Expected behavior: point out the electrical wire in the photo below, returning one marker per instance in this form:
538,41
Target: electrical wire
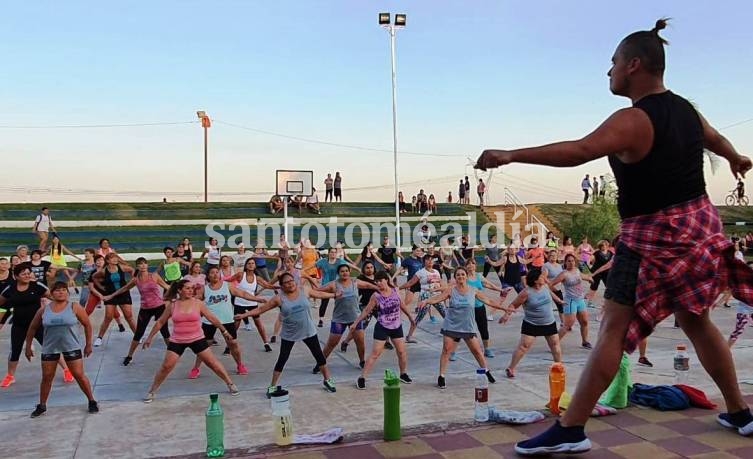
94,126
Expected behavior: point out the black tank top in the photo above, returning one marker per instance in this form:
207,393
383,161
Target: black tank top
672,172
512,274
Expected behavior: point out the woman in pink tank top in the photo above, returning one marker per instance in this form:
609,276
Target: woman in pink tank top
186,312
152,305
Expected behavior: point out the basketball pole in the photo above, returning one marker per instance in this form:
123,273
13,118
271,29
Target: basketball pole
285,217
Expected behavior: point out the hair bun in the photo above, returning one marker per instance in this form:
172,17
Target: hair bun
661,24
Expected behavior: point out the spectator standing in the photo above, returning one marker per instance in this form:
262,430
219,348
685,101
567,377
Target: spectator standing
461,192
42,227
328,185
595,188
585,185
603,189
338,187
449,197
401,202
467,190
480,190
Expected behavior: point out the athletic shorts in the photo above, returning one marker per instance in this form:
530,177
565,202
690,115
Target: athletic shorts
382,333
123,298
457,336
518,287
598,279
210,330
339,329
197,347
530,329
574,306
68,356
623,276
243,309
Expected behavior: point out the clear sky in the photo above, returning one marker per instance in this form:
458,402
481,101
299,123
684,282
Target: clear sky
471,75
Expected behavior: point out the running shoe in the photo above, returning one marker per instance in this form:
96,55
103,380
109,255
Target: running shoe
7,381
40,410
321,323
645,362
362,364
315,370
93,406
248,327
329,385
490,318
194,373
389,346
273,339
489,377
215,343
453,357
267,347
233,389
509,373
121,328
149,397
343,347
433,319
409,339
441,383
242,370
127,360
98,341
67,376
271,390
586,345
489,353
361,384
405,379
226,351
742,421
556,439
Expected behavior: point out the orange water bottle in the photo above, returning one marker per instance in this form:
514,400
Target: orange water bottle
556,386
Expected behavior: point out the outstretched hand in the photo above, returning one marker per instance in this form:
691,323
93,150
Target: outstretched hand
740,165
490,159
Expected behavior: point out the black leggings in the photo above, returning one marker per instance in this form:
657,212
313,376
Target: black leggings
313,344
488,267
18,337
145,315
482,323
323,307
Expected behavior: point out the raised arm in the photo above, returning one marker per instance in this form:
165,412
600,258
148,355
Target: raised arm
518,302
717,143
628,131
131,283
364,314
235,291
437,298
256,312
557,279
494,303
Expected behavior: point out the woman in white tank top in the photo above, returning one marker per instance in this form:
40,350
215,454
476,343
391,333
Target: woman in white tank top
249,282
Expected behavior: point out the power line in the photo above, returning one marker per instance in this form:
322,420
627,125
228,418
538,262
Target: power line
333,144
94,126
736,124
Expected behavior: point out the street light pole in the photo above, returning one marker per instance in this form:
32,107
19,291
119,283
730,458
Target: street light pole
385,21
206,123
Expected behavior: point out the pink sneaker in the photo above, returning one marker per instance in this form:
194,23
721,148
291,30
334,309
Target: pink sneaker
194,373
242,370
67,376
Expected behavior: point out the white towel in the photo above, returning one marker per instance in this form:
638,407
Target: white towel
330,436
514,417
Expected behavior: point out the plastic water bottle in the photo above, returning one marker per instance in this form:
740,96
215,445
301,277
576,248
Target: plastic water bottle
283,418
557,377
682,364
482,396
215,428
391,393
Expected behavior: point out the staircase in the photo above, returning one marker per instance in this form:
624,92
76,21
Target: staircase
515,217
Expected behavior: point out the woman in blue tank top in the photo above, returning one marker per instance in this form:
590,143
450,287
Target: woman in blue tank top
60,321
460,322
538,320
297,325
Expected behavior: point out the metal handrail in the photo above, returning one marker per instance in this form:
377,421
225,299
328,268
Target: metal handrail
544,228
512,198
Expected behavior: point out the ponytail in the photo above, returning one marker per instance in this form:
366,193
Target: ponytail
172,293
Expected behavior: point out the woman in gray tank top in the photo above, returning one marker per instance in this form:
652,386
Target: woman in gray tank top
60,320
346,312
460,322
297,325
538,319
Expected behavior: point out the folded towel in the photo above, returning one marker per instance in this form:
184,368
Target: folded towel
514,417
328,437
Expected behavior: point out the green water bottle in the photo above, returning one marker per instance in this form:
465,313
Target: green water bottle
215,428
391,406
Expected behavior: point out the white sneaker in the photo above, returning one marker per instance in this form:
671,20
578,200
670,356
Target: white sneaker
490,318
248,327
98,342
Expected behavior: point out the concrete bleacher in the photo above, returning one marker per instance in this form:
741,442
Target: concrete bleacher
148,227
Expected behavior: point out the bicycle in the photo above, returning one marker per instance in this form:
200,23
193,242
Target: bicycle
733,200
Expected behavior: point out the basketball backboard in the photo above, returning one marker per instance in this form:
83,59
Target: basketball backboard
300,183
